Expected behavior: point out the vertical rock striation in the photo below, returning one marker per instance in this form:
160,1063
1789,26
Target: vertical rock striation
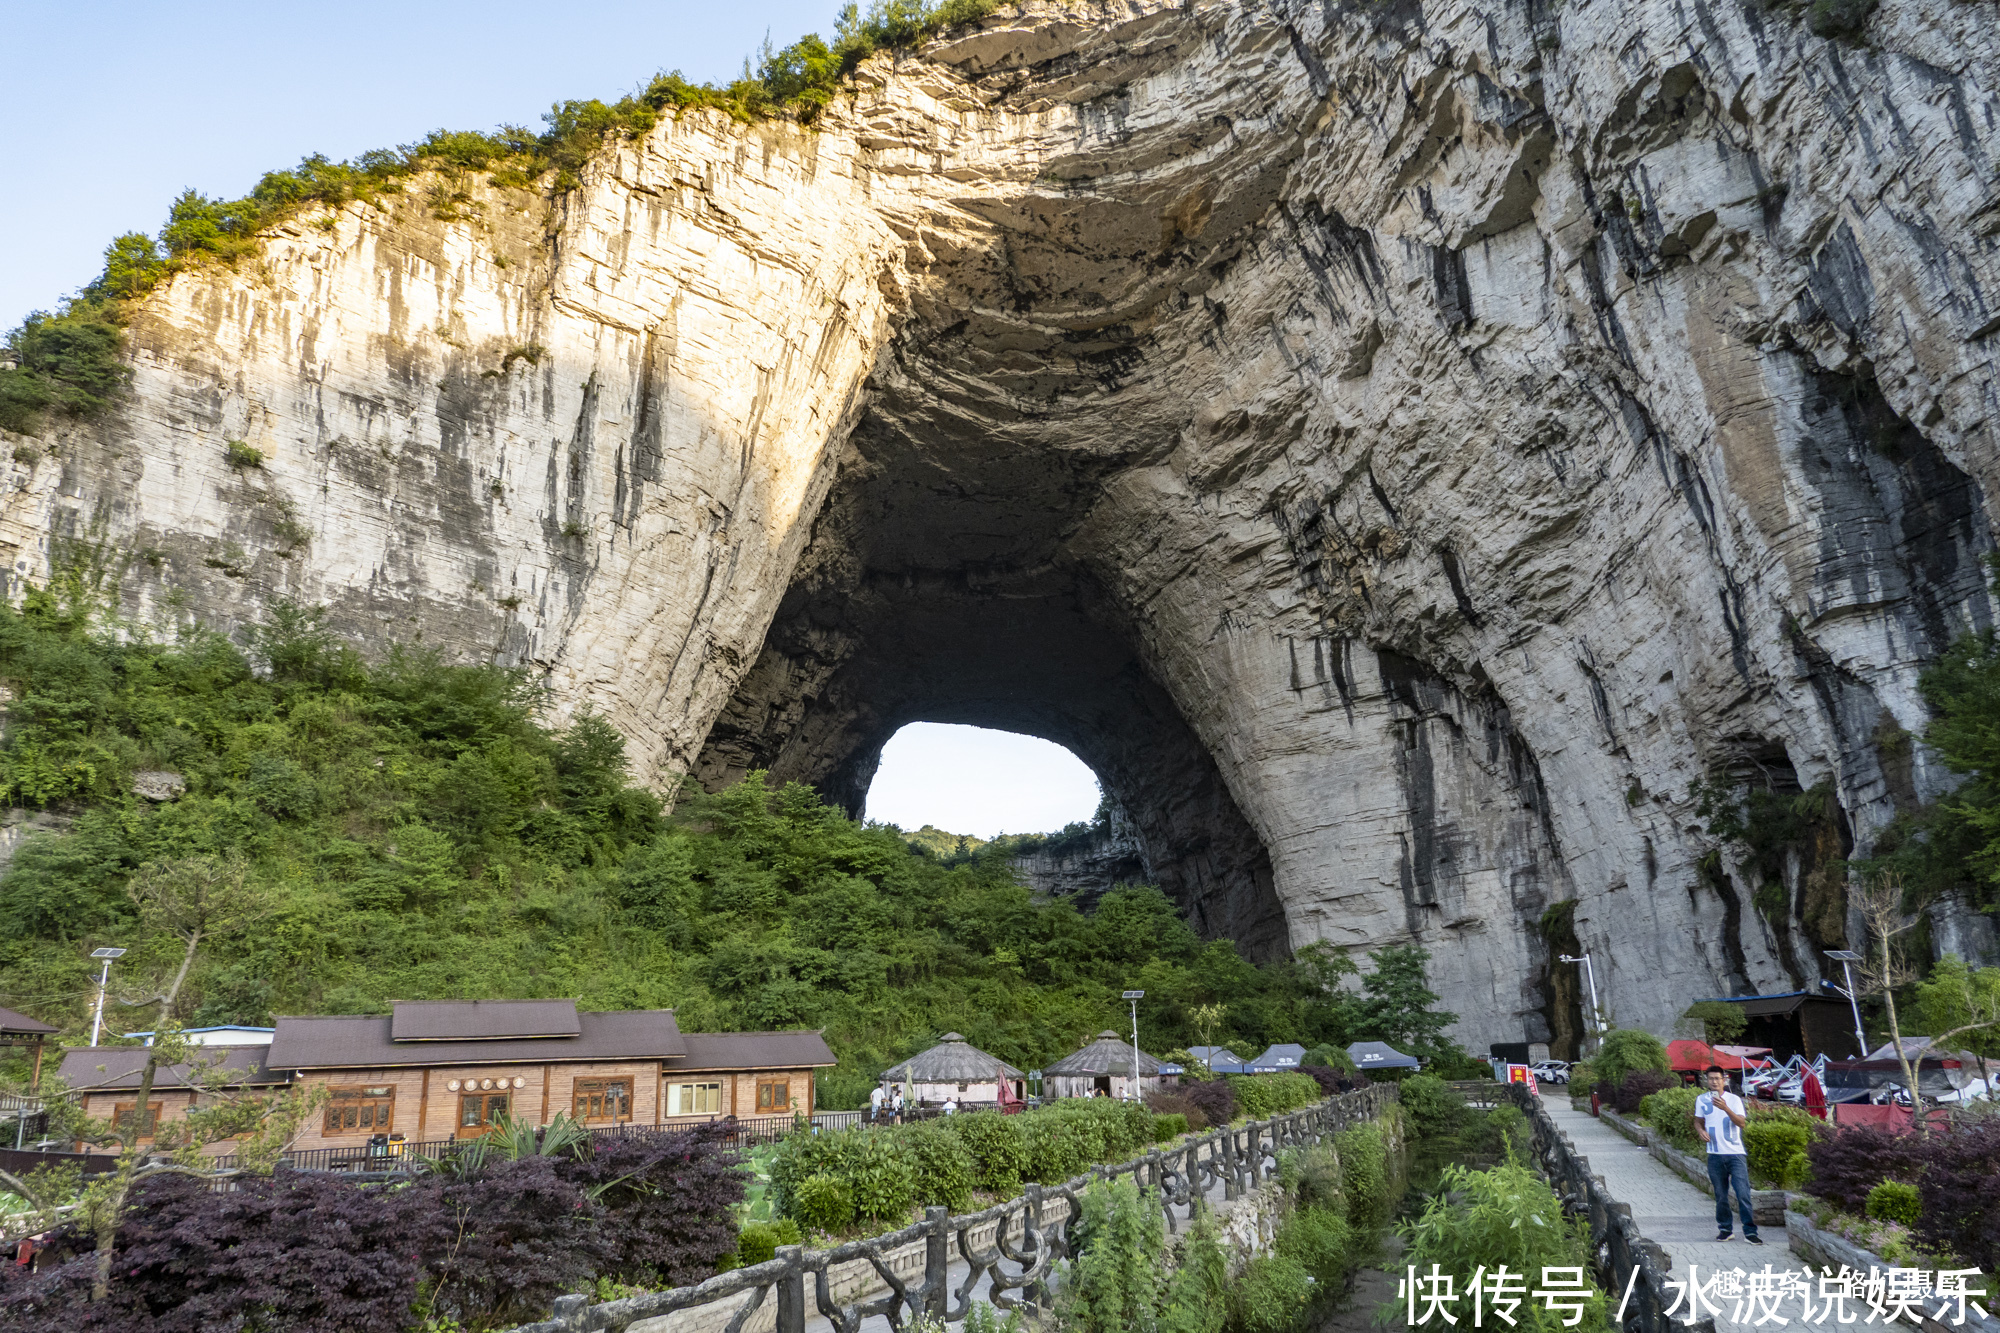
1401,447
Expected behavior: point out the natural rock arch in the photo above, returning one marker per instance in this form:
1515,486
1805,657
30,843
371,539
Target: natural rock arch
1401,447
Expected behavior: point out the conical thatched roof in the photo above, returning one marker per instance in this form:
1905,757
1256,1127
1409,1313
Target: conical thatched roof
1107,1054
953,1060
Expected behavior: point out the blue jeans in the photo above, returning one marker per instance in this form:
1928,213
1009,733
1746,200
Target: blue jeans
1725,1170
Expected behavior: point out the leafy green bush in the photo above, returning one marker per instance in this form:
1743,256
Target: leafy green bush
1451,1062
758,1242
1798,1170
1770,1146
1670,1113
1511,1124
1312,1176
1261,1096
1057,1149
1116,1279
1510,1216
824,1203
881,1174
243,455
1167,1128
1320,1239
945,1171
1364,1166
1624,1050
1432,1107
1270,1296
1894,1201
1329,1056
998,1146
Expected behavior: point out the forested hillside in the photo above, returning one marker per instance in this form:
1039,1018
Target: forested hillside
412,830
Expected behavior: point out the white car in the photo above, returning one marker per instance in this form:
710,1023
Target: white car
1551,1071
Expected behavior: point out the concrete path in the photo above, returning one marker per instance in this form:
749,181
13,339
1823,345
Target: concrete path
1668,1210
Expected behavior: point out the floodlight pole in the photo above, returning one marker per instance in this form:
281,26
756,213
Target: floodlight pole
1135,996
103,983
1844,957
1590,978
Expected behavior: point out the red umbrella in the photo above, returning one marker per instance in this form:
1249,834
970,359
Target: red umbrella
1814,1094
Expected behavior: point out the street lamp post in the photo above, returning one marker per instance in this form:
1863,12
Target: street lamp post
1845,957
1590,978
1135,996
103,982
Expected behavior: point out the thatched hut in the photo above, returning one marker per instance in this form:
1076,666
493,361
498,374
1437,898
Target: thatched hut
956,1070
1103,1065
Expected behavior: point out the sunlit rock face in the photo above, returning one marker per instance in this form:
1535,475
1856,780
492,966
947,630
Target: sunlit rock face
1401,447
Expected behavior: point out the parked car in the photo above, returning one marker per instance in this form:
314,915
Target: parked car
1551,1071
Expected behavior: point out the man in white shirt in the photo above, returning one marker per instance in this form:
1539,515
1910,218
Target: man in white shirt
1720,1116
875,1099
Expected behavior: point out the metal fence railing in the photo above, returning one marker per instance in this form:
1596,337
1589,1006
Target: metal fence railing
1009,1249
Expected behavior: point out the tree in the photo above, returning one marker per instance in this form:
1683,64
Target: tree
1960,1006
1397,1007
1883,969
190,899
1717,1020
1626,1050
1206,1019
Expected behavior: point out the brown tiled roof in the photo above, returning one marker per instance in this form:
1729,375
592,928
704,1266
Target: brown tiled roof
13,1022
752,1050
483,1020
122,1066
367,1042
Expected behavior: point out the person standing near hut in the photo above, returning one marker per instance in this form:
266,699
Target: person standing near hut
875,1100
896,1107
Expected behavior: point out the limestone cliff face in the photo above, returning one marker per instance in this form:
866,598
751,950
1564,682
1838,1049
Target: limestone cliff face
1401,447
1084,867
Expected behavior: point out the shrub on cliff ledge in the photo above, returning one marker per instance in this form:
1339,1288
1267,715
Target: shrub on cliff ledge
69,363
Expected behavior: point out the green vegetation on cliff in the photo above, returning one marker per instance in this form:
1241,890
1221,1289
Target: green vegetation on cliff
413,830
69,361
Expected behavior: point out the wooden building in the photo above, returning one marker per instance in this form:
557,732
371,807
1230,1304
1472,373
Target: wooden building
32,1033
452,1068
1796,1023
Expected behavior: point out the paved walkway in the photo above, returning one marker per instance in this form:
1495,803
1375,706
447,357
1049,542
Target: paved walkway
1668,1210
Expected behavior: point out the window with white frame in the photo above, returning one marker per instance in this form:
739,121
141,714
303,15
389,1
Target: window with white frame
694,1099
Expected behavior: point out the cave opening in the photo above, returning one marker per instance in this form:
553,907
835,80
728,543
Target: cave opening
944,581
980,783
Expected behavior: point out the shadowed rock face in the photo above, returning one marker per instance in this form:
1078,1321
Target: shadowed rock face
1400,447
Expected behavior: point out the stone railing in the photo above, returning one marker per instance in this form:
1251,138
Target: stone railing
1006,1254
1625,1258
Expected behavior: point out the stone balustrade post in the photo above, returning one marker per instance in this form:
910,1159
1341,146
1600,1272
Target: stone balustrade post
791,1290
937,1257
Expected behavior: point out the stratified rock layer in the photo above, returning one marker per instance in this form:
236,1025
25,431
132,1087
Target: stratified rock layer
1402,448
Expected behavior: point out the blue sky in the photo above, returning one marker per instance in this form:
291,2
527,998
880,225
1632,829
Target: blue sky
115,108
